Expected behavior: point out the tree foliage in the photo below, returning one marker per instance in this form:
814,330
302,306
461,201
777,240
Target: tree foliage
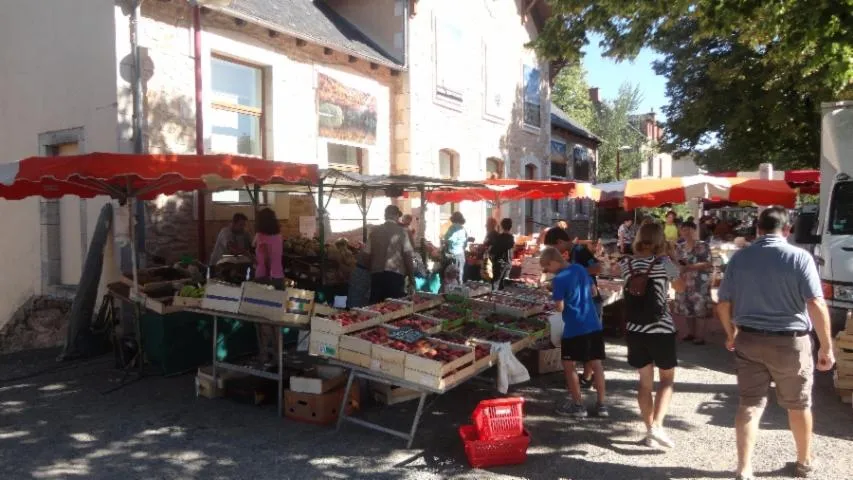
612,123
745,76
571,93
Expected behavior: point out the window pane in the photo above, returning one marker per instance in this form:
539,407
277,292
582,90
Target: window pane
445,164
532,114
236,84
232,196
233,132
449,60
342,154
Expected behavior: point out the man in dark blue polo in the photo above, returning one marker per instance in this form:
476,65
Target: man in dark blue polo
770,300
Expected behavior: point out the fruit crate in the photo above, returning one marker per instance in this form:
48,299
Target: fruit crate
492,453
391,309
532,327
323,344
486,361
499,418
330,320
517,340
263,301
354,358
439,382
450,316
393,369
438,368
418,322
363,341
222,297
513,306
186,302
424,301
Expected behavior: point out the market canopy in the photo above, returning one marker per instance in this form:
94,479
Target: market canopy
807,181
143,176
653,192
504,189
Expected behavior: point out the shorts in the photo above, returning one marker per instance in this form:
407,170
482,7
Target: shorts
651,348
784,360
583,348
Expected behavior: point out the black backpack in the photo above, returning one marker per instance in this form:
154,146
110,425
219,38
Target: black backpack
643,304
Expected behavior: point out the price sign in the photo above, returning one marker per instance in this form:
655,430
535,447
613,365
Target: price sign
407,335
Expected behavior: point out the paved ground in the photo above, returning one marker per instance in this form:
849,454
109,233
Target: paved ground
59,425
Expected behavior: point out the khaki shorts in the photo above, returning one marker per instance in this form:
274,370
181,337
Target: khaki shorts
785,361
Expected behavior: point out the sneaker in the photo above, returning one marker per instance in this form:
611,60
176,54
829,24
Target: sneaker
569,409
602,411
659,436
585,384
803,471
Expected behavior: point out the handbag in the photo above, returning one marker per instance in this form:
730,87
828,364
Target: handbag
487,269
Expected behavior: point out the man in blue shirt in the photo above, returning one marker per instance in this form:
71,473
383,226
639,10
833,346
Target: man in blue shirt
770,299
583,340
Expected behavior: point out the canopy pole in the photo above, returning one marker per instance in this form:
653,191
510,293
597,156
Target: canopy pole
133,252
422,223
138,145
201,195
364,215
321,232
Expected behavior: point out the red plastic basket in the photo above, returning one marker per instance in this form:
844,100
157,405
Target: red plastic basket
491,453
499,418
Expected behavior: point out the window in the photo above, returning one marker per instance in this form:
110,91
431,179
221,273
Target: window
841,209
494,167
237,121
651,166
529,210
450,61
582,164
532,107
345,157
448,167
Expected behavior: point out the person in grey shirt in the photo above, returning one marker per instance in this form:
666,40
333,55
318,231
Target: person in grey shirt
232,240
770,300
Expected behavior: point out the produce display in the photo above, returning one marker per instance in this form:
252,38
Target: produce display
482,351
529,325
447,312
414,322
377,335
500,319
351,317
191,291
451,337
509,301
439,352
302,246
387,307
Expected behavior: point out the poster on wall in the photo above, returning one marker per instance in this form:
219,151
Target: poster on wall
345,113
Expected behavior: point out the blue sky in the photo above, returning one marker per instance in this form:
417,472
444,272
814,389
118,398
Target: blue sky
608,75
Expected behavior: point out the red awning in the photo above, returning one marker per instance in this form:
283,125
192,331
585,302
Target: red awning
142,176
504,189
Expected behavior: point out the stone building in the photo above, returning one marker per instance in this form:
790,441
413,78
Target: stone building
438,88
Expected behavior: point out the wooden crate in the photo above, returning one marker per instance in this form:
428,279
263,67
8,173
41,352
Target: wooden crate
327,323
186,302
425,301
299,306
222,297
436,324
440,369
407,309
440,383
388,368
356,344
354,358
848,326
388,354
486,361
323,344
162,306
262,301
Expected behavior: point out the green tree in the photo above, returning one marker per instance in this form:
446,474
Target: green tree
746,76
571,93
612,123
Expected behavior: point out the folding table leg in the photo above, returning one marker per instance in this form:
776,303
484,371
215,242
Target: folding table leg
343,410
280,371
418,413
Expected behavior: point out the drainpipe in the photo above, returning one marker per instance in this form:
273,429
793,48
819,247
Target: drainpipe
201,195
138,145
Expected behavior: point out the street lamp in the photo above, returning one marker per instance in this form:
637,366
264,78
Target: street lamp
618,158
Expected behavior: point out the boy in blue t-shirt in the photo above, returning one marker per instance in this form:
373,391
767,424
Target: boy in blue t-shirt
583,339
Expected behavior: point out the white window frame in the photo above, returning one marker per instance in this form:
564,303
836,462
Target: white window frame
527,126
449,97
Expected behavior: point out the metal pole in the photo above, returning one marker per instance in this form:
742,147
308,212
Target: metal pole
321,232
138,146
422,223
618,160
364,215
201,196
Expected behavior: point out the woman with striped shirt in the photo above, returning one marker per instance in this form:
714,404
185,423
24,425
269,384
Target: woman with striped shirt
651,331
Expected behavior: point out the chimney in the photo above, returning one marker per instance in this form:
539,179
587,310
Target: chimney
593,95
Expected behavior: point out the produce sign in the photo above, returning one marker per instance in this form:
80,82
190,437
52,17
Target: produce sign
344,112
406,334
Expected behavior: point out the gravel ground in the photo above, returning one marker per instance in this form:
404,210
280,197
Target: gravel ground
59,424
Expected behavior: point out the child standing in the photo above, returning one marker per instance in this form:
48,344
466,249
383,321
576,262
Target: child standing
583,339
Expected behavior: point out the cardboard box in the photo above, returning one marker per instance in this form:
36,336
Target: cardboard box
205,386
542,361
321,409
320,379
222,297
392,394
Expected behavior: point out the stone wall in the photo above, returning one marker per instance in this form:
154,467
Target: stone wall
290,109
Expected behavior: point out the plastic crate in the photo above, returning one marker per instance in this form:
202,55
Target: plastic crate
491,453
499,418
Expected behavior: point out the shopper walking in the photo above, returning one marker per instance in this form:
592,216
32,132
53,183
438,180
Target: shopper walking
694,303
583,340
651,332
389,254
500,254
770,299
456,244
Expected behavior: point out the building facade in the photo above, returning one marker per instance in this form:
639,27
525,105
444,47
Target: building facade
436,88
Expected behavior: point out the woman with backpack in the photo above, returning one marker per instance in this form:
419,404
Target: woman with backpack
651,331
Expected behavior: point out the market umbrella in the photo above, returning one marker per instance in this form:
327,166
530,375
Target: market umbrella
806,181
141,176
498,190
122,176
653,192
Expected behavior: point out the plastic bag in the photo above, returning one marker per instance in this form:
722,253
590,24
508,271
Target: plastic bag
556,321
510,369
